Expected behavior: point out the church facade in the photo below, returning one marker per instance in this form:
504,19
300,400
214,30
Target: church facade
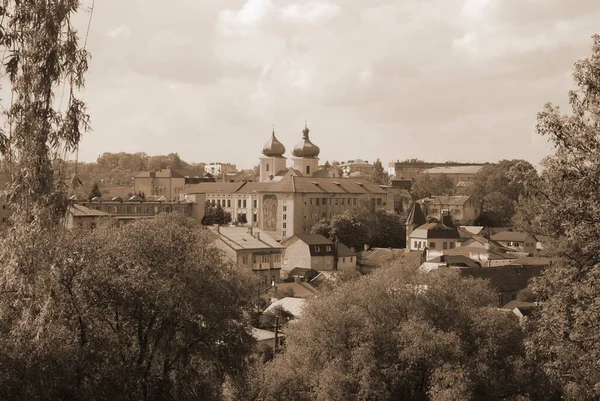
289,201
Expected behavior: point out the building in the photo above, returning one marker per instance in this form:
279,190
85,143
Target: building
291,201
218,168
153,184
136,208
433,236
293,305
410,170
463,209
252,249
356,166
346,258
80,216
309,251
458,174
517,241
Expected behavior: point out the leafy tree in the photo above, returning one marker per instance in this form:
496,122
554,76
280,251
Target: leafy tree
497,192
150,312
95,192
426,185
322,227
216,215
348,230
379,175
565,206
388,230
267,319
403,335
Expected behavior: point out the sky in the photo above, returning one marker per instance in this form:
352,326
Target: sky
438,80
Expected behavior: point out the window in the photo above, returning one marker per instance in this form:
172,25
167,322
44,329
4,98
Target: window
244,260
265,258
445,245
378,201
354,201
239,203
328,248
343,260
349,201
284,208
342,201
310,201
336,202
317,249
325,201
285,216
434,210
307,169
432,245
418,244
244,203
255,203
452,244
317,201
456,211
351,259
254,218
228,202
267,167
284,225
254,259
283,234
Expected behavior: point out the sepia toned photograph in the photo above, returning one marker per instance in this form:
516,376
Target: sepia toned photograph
300,200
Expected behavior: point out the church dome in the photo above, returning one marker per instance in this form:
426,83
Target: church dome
306,148
273,148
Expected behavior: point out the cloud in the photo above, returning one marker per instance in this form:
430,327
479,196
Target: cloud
120,31
312,11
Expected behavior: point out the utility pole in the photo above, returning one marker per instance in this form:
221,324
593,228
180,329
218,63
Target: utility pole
276,335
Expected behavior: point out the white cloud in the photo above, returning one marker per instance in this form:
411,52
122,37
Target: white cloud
120,31
313,11
241,21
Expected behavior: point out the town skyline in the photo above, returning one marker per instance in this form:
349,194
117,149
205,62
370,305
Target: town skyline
461,81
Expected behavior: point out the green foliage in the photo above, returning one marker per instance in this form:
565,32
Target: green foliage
565,206
145,312
497,192
426,185
322,227
403,335
348,230
216,215
95,192
379,175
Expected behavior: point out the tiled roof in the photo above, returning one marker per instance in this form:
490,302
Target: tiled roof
214,187
375,257
457,200
293,305
532,261
301,290
239,238
456,260
416,216
164,173
314,239
336,185
78,210
516,236
518,304
264,335
453,170
343,251
504,278
435,230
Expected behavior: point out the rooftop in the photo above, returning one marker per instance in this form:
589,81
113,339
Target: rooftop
293,305
454,170
78,210
457,200
516,236
240,238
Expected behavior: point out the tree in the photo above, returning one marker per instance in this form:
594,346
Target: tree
348,230
216,215
322,227
133,316
379,175
564,204
95,192
426,185
399,334
388,230
498,194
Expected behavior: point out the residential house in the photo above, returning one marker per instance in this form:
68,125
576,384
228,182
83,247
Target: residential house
346,258
448,261
457,174
309,251
517,241
252,249
433,236
79,216
295,306
353,166
463,209
216,169
507,281
265,337
486,256
410,170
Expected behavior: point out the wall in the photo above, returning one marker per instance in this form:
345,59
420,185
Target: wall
296,254
346,263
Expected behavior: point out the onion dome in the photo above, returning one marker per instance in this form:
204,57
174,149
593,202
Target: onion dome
306,148
273,148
